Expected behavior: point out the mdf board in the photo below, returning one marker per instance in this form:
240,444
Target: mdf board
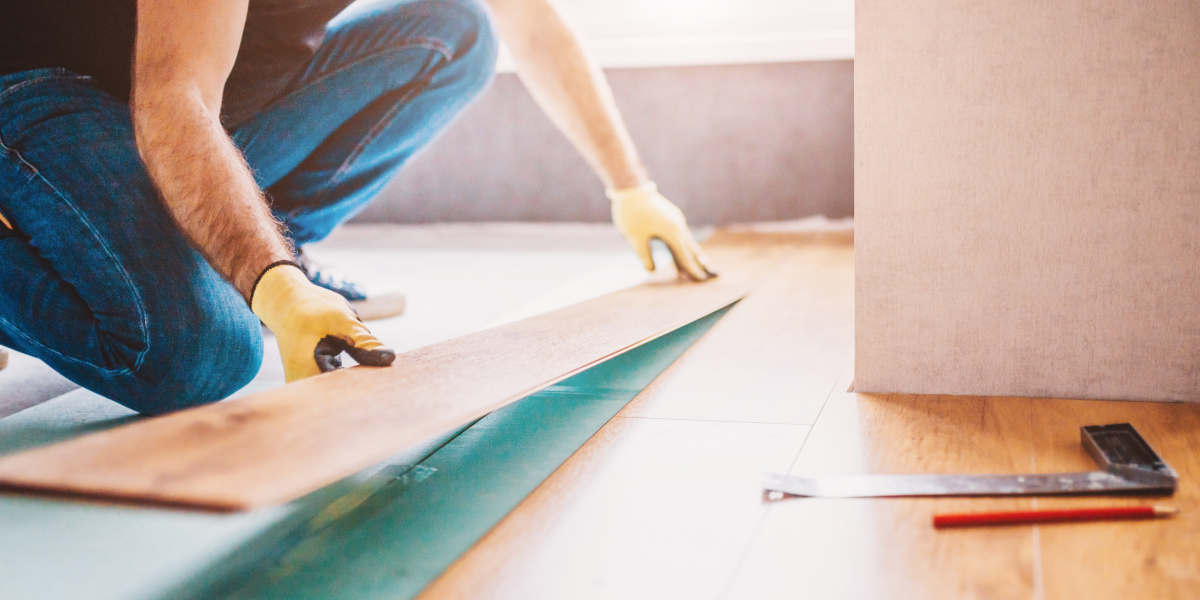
1028,198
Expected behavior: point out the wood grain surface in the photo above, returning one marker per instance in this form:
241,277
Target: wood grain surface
775,357
647,509
1151,559
887,548
597,529
652,509
663,501
274,446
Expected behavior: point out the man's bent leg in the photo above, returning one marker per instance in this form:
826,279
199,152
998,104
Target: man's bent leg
99,283
388,78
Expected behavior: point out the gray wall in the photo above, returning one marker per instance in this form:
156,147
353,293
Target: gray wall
727,143
1028,198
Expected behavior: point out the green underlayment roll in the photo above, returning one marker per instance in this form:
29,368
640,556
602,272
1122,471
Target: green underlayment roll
384,533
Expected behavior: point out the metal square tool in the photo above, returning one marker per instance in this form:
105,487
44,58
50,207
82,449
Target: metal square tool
1130,465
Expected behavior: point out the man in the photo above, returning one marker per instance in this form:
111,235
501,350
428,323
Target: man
137,138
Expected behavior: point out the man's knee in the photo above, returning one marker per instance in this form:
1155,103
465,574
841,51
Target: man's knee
479,43
465,26
206,358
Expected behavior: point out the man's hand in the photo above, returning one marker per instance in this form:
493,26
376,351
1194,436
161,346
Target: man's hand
313,325
642,214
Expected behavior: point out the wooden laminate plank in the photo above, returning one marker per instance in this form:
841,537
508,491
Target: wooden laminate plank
774,358
887,548
1121,559
274,446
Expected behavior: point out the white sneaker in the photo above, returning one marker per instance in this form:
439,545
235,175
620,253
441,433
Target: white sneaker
378,304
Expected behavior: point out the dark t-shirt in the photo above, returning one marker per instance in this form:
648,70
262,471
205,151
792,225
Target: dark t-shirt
95,38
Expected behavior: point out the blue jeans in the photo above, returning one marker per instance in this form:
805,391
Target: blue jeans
99,282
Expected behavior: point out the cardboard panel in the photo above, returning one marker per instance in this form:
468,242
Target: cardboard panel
1028,198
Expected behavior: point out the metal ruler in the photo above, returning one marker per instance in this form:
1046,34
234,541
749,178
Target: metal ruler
1128,464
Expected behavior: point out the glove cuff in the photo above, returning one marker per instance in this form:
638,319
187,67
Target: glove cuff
259,279
276,290
618,195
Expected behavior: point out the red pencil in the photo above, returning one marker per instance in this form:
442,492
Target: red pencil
1053,516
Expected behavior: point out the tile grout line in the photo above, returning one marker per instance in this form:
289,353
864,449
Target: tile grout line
727,589
743,556
818,417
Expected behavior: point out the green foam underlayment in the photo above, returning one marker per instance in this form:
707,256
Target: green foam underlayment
384,533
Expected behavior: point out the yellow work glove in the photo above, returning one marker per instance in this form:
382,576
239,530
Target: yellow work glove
312,325
642,214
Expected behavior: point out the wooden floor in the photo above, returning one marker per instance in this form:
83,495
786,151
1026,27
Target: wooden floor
664,501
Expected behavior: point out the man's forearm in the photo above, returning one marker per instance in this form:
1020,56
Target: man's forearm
569,87
206,184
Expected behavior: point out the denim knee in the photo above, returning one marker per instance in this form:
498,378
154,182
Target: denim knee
199,355
465,27
479,44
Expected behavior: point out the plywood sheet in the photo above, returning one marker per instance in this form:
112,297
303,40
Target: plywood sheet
277,445
1027,198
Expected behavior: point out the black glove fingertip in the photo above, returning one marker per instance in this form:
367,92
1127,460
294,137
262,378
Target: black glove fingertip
379,357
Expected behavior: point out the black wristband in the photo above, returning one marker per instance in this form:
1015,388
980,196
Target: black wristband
278,263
